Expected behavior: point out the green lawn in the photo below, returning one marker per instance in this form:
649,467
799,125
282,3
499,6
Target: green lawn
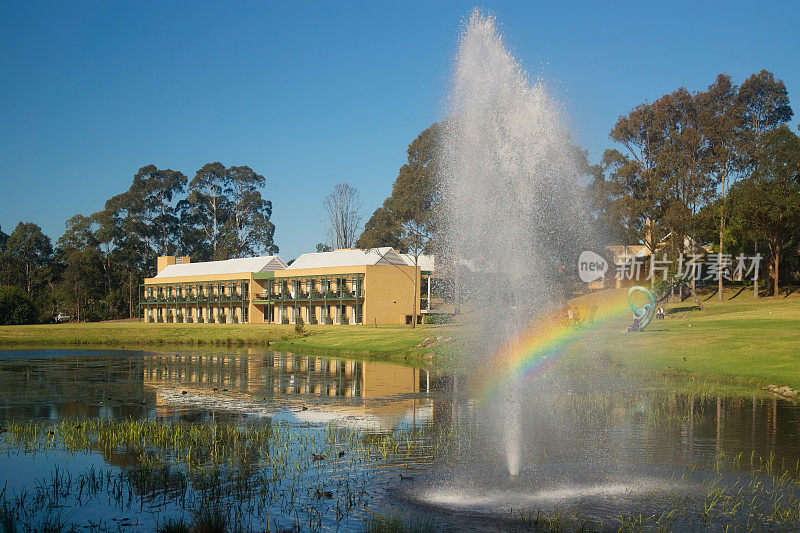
386,342
752,341
739,340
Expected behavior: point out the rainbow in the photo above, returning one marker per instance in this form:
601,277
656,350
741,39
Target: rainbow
538,347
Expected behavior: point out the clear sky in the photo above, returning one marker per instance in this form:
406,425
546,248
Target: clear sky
312,94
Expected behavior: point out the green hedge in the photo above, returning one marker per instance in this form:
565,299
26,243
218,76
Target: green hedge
16,307
437,319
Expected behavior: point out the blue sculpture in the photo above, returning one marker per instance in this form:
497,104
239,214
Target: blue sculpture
641,315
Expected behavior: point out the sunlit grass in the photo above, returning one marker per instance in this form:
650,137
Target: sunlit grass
384,342
745,341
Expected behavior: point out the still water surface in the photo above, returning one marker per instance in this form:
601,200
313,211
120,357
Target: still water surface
585,444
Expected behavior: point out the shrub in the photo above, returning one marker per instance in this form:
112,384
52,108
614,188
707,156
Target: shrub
437,319
16,307
299,327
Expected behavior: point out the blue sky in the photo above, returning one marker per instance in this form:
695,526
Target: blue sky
312,94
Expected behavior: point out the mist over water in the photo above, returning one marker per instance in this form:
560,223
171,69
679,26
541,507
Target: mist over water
511,202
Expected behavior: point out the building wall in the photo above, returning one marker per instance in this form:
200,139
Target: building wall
389,293
191,308
166,260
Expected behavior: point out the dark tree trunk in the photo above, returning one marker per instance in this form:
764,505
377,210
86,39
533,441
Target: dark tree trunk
755,275
777,270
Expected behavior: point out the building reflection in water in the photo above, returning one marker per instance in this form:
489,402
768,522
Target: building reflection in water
316,390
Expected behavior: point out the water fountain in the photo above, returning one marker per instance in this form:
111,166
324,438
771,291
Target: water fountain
512,203
513,216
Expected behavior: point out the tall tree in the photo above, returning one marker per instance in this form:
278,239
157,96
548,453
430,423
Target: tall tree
721,125
248,229
407,220
343,207
81,284
149,207
680,164
207,199
413,198
382,229
94,235
765,106
641,200
31,250
770,198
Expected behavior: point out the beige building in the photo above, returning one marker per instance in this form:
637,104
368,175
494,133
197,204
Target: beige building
373,287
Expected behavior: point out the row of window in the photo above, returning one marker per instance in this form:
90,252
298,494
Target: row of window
314,287
312,314
198,314
197,291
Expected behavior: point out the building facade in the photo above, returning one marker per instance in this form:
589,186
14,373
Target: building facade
343,287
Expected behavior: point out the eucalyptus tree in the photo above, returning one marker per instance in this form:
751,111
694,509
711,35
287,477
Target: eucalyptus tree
765,106
80,289
721,122
680,163
139,224
248,228
149,207
770,197
411,208
382,229
95,235
640,187
208,201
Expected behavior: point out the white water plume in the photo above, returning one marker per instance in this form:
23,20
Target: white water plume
511,201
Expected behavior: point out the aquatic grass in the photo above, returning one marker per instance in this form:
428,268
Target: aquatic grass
268,474
261,472
395,523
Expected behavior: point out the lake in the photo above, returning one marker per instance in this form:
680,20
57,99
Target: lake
127,440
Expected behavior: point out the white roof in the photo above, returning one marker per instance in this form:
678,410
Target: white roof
349,257
425,262
229,266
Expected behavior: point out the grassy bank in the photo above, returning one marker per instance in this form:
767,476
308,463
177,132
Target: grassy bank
739,339
399,343
742,341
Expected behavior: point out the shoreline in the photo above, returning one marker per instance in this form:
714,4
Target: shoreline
398,344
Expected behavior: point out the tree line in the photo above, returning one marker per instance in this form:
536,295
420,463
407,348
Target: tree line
94,269
719,166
